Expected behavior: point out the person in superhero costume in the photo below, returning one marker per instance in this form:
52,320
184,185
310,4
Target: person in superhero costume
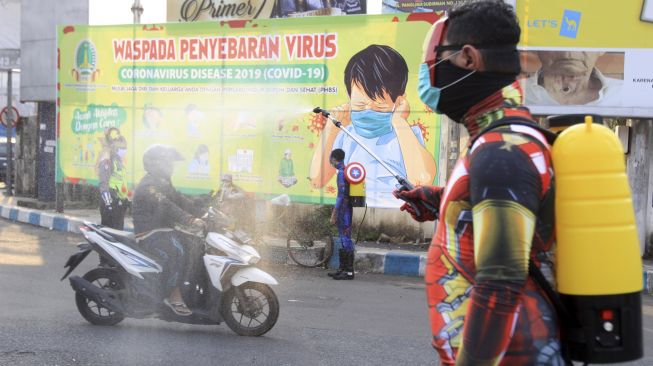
341,216
495,214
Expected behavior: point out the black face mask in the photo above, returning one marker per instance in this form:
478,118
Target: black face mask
468,90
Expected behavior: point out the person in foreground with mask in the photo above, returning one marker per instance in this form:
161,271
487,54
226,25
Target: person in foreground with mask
376,114
158,208
494,214
114,194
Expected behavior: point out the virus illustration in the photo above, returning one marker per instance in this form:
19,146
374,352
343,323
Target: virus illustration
317,123
427,109
331,189
423,127
311,145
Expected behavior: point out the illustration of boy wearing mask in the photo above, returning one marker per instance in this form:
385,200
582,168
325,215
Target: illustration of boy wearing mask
376,114
199,165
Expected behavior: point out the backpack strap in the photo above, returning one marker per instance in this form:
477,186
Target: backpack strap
564,315
522,121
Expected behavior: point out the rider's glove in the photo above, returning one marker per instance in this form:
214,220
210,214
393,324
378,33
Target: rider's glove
198,224
417,197
106,198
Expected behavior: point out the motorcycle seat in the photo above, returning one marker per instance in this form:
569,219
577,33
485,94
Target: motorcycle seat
124,237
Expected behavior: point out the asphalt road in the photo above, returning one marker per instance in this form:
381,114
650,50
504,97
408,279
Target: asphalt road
374,320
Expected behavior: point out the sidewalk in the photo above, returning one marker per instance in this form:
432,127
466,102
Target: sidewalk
373,260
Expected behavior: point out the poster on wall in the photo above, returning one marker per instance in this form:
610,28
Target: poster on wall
206,10
238,99
586,58
419,6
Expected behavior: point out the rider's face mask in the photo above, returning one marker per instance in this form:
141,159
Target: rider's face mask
167,169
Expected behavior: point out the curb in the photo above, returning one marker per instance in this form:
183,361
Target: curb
389,263
46,220
367,260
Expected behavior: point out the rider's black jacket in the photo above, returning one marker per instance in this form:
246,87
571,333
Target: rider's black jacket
157,205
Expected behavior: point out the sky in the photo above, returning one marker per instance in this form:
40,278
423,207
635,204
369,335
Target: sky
103,12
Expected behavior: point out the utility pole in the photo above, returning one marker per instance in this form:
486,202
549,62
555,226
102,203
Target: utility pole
137,9
10,126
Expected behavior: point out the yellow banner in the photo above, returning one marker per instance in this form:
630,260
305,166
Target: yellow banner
237,98
586,23
587,56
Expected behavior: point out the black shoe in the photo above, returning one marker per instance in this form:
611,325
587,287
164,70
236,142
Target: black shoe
348,273
333,274
344,276
341,266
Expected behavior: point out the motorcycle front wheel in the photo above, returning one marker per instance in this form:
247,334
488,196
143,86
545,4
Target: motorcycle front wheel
93,312
257,315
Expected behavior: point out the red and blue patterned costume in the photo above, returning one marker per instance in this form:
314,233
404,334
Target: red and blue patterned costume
494,216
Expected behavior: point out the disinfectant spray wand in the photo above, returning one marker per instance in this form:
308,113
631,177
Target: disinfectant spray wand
404,184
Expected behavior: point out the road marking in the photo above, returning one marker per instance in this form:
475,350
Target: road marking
648,330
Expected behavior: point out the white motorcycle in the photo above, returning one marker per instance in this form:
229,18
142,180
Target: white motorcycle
223,285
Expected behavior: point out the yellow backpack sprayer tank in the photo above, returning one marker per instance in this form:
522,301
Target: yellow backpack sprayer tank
598,264
355,175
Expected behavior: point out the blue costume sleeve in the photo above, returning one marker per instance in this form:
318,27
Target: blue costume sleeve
342,186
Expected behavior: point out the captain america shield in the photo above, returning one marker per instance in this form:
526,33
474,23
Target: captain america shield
354,173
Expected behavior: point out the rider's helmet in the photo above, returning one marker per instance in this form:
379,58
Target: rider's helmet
227,178
159,160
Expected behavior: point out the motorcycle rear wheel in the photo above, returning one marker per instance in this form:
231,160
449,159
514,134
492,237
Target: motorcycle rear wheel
106,278
255,318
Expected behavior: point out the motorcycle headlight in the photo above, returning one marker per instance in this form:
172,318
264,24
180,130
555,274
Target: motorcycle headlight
254,259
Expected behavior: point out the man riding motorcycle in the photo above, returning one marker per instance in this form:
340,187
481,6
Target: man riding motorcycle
157,209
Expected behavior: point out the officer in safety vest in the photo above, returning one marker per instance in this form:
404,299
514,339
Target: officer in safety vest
112,180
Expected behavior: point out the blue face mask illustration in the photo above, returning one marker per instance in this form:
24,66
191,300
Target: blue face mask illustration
370,124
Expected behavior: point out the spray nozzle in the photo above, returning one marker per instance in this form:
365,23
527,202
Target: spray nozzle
327,115
320,110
